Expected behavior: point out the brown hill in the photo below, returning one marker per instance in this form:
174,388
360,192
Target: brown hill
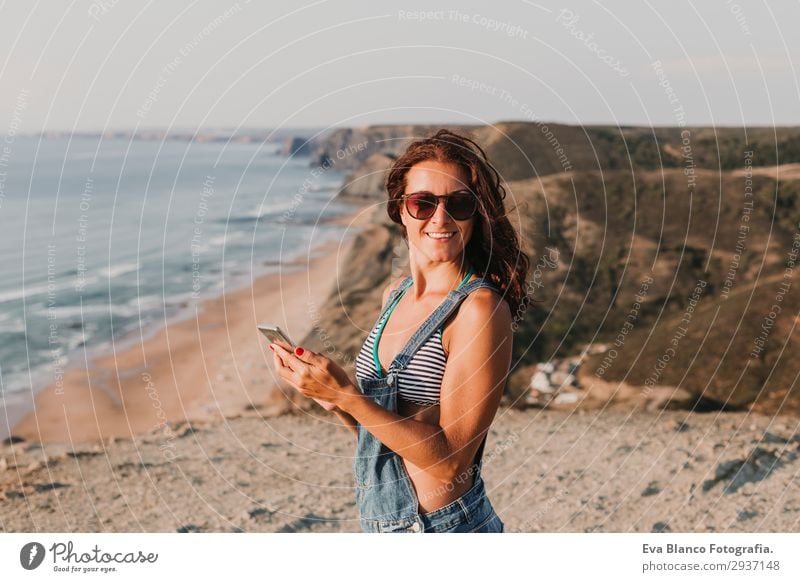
522,149
633,248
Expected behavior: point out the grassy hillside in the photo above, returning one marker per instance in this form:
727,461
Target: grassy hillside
633,247
525,149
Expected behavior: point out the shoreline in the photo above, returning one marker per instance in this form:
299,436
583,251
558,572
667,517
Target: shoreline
201,367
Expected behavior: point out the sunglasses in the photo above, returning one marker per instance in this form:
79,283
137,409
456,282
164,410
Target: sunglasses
459,205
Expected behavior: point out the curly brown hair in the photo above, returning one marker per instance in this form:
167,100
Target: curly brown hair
494,248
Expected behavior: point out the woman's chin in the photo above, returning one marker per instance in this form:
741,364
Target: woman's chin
438,252
442,255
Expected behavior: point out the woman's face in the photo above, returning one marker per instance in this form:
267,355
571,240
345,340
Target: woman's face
441,179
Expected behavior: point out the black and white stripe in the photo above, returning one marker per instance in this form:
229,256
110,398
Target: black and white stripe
421,381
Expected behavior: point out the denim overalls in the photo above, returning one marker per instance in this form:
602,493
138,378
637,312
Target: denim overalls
385,495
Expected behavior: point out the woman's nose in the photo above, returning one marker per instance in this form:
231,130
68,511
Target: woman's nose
440,215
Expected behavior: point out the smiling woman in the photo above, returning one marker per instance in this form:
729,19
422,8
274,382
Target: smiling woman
421,421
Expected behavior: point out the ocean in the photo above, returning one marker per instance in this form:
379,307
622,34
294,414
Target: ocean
107,239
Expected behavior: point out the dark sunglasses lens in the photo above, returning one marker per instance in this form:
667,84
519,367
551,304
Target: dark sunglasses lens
461,206
421,206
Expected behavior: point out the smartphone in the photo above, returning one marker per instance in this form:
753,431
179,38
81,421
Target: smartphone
275,334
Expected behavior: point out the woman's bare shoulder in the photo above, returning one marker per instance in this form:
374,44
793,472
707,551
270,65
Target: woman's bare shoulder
484,311
484,306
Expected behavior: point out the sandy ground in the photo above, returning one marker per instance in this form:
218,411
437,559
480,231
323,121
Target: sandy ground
550,471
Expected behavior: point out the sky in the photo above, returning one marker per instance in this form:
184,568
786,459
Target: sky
104,65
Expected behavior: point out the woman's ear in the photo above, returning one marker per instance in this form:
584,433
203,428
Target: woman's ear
401,210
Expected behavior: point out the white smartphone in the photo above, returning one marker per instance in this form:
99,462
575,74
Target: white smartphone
275,334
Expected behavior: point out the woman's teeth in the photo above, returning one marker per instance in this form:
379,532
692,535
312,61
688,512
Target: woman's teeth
440,235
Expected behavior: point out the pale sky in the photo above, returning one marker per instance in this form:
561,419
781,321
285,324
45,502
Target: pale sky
124,64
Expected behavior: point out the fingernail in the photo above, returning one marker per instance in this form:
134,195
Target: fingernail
270,347
299,351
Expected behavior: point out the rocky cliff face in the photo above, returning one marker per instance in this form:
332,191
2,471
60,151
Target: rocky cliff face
366,182
350,147
296,146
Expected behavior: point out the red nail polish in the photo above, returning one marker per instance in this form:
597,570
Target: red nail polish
299,351
270,347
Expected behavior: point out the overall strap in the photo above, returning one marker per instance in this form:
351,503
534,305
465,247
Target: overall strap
435,320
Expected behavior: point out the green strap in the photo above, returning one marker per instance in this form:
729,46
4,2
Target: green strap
465,279
378,333
382,324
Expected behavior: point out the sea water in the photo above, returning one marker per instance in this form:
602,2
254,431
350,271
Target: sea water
105,239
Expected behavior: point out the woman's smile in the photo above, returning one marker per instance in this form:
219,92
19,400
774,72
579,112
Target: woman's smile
441,236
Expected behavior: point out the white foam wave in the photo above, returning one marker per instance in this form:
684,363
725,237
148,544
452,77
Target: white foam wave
117,270
42,288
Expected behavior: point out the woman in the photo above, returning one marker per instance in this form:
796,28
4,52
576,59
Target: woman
432,371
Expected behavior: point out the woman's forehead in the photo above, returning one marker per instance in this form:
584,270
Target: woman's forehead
430,175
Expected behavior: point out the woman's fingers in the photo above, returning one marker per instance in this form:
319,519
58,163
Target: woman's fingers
282,344
310,357
283,370
290,368
300,364
277,360
282,353
306,371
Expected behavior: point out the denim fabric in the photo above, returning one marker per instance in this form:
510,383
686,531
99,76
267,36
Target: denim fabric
385,494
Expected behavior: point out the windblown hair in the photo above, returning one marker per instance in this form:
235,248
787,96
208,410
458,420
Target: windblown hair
494,247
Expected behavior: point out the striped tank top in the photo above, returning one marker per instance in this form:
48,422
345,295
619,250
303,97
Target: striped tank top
421,381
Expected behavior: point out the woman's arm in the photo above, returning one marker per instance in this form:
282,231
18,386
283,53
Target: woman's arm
347,420
474,378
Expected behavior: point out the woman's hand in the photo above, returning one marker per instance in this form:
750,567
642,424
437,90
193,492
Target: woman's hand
313,375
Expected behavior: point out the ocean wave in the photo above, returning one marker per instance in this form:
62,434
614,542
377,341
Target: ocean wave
131,308
230,237
270,207
121,269
42,288
15,325
263,210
